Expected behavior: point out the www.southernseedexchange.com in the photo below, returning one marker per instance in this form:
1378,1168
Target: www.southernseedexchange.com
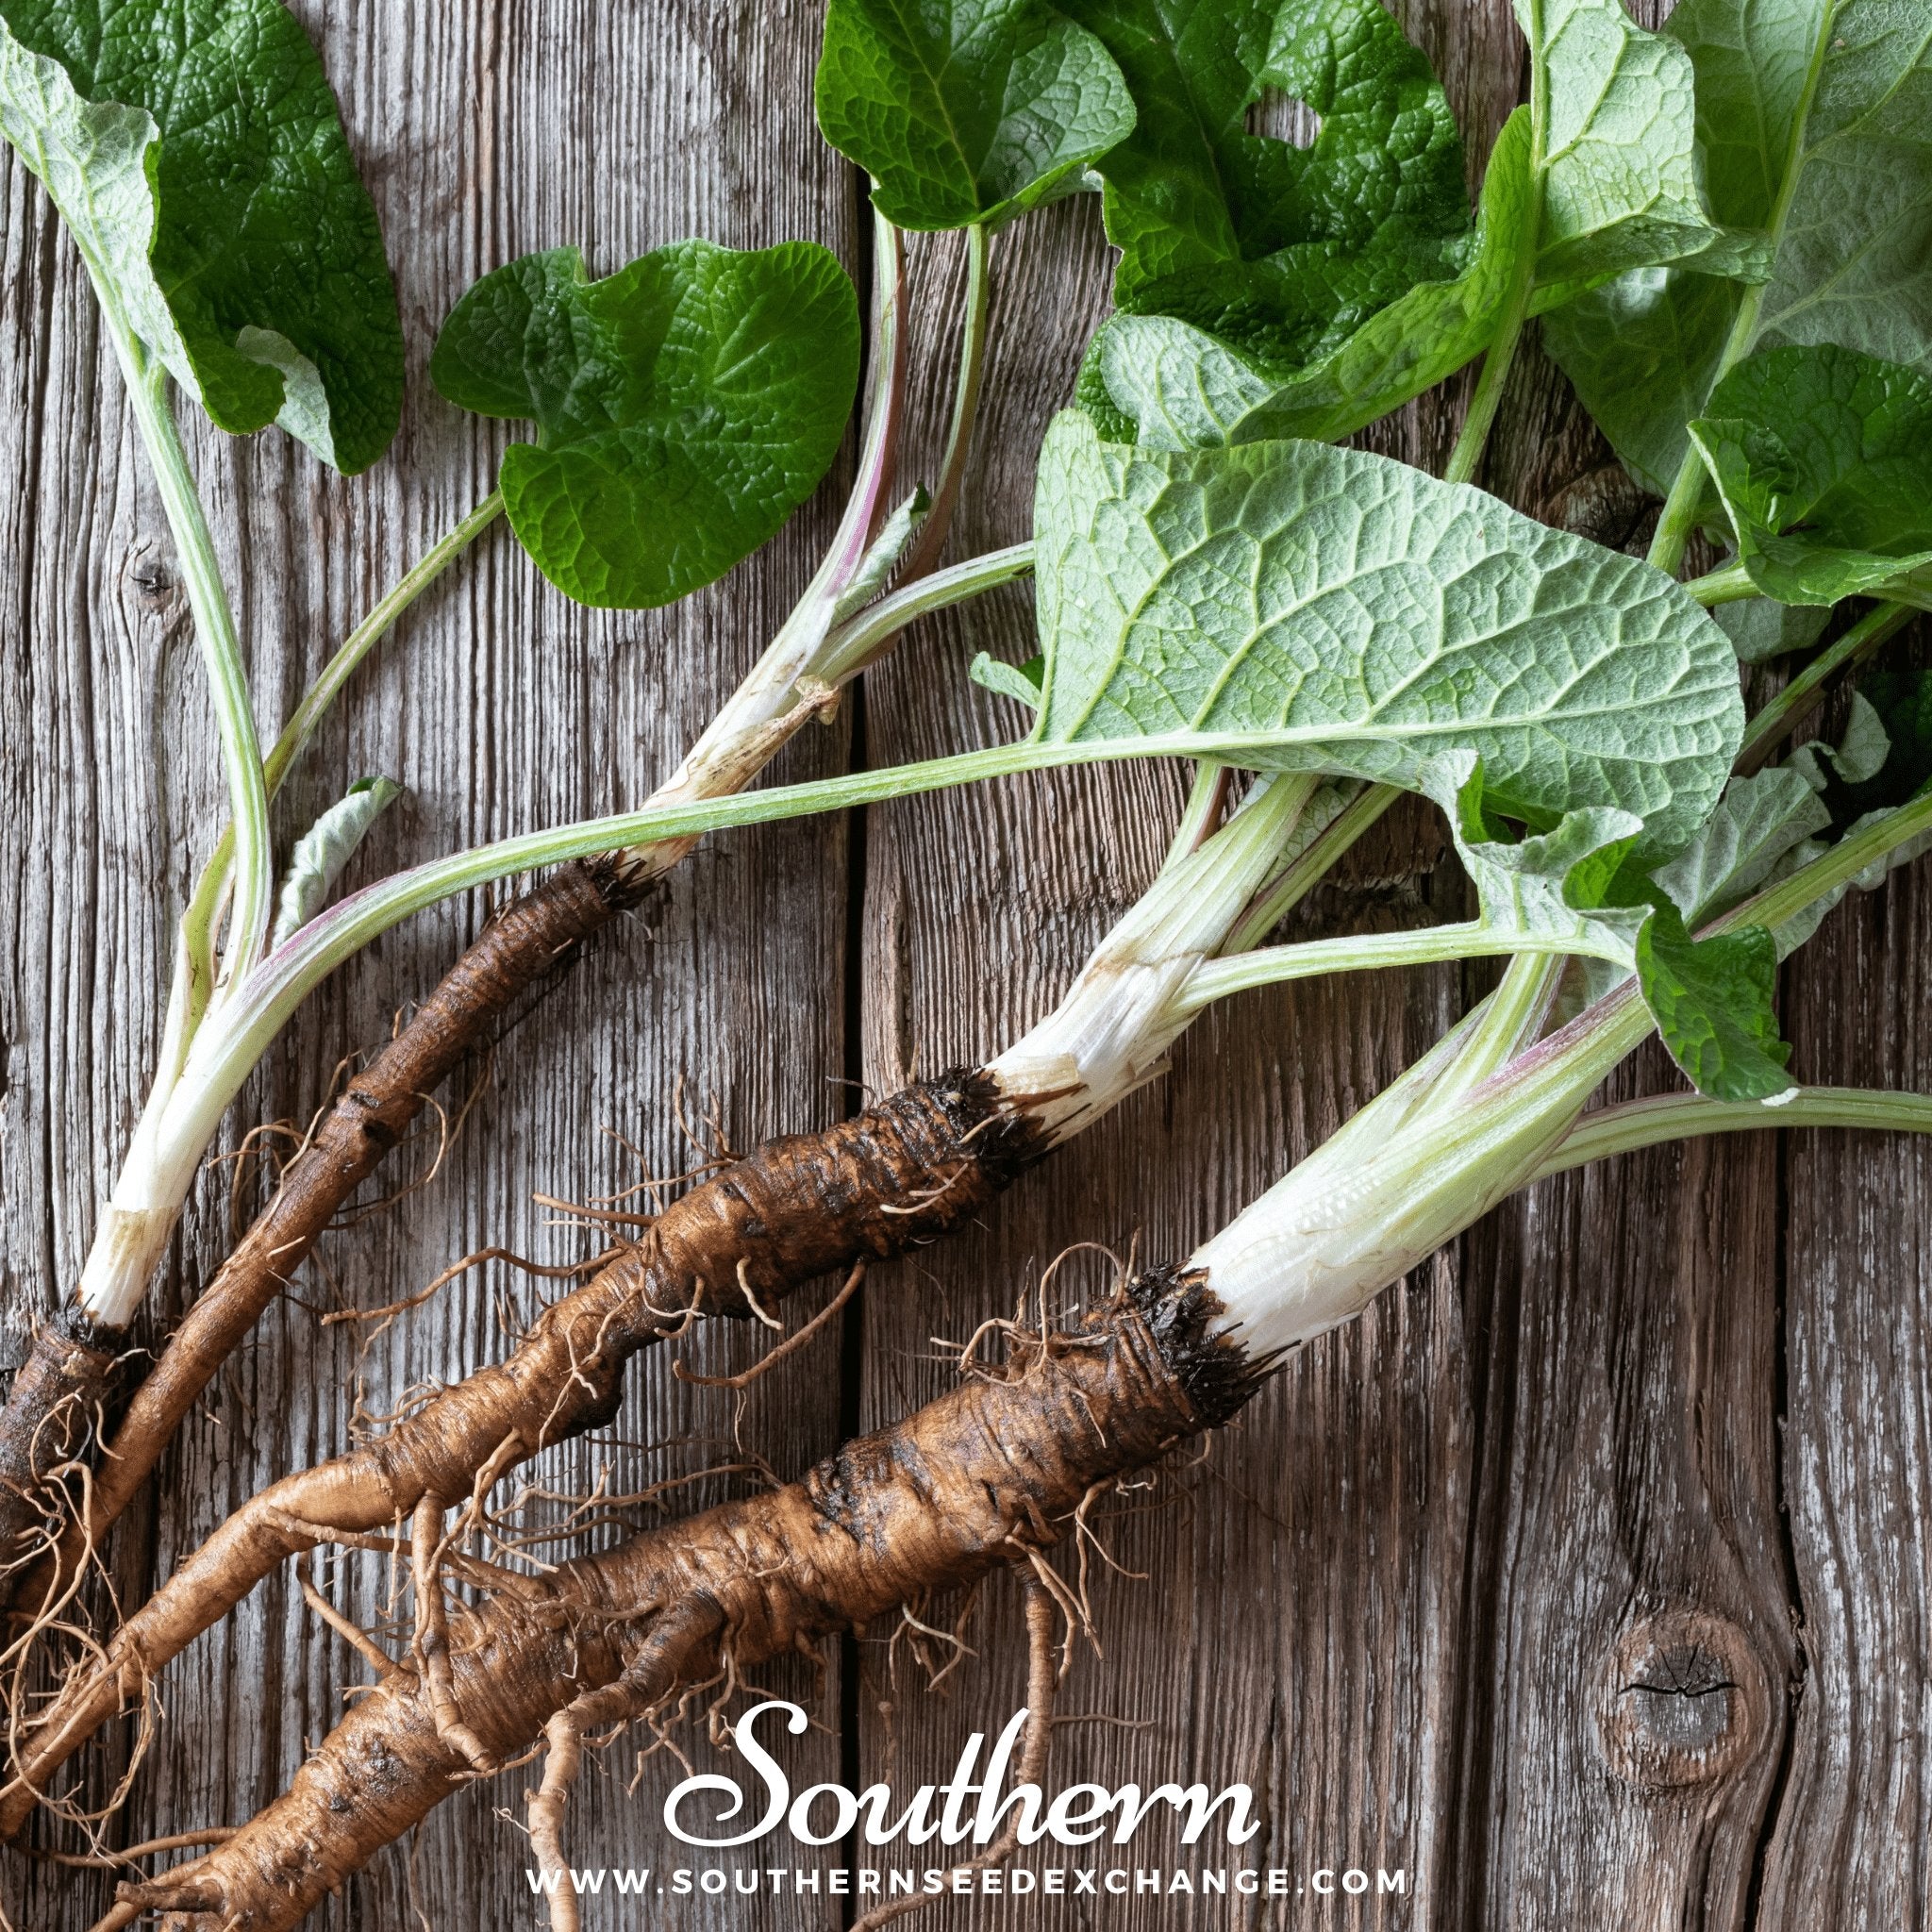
1117,1881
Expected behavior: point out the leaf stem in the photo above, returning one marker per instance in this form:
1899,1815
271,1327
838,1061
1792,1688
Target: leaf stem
1430,945
1302,875
932,536
354,648
1805,693
1730,585
1834,870
1623,1129
1510,1018
214,626
1201,813
349,654
1466,457
861,639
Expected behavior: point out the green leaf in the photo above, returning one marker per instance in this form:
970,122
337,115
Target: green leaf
1554,887
1758,822
1815,118
326,848
1329,609
1620,175
1760,628
685,405
194,151
1642,353
966,110
1175,386
1280,252
1021,682
1711,1000
1883,764
883,555
1824,460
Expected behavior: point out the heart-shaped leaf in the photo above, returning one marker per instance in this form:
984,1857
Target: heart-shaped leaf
1311,608
966,110
1824,460
685,405
194,150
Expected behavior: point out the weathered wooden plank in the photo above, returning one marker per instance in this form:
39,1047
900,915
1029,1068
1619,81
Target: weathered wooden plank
486,131
1625,1527
1851,1829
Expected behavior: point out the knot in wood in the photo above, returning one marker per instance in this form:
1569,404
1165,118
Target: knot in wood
157,592
1682,1699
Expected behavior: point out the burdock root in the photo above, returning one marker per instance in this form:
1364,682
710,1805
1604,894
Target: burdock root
990,1475
892,1177
515,949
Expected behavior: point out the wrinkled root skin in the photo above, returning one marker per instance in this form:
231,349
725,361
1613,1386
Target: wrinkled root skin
49,1414
988,1474
522,943
896,1176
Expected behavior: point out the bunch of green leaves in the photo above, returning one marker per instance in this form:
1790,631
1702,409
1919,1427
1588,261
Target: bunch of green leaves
194,151
685,405
1384,286
1814,123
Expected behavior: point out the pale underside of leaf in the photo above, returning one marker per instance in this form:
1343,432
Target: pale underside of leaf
1841,168
1362,618
1620,179
326,848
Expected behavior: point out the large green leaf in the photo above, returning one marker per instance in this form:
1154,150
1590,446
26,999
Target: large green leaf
1280,252
1176,386
194,150
1322,608
966,110
1619,173
1815,118
685,405
1824,460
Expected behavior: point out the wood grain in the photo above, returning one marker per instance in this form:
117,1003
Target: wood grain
484,131
1584,1582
